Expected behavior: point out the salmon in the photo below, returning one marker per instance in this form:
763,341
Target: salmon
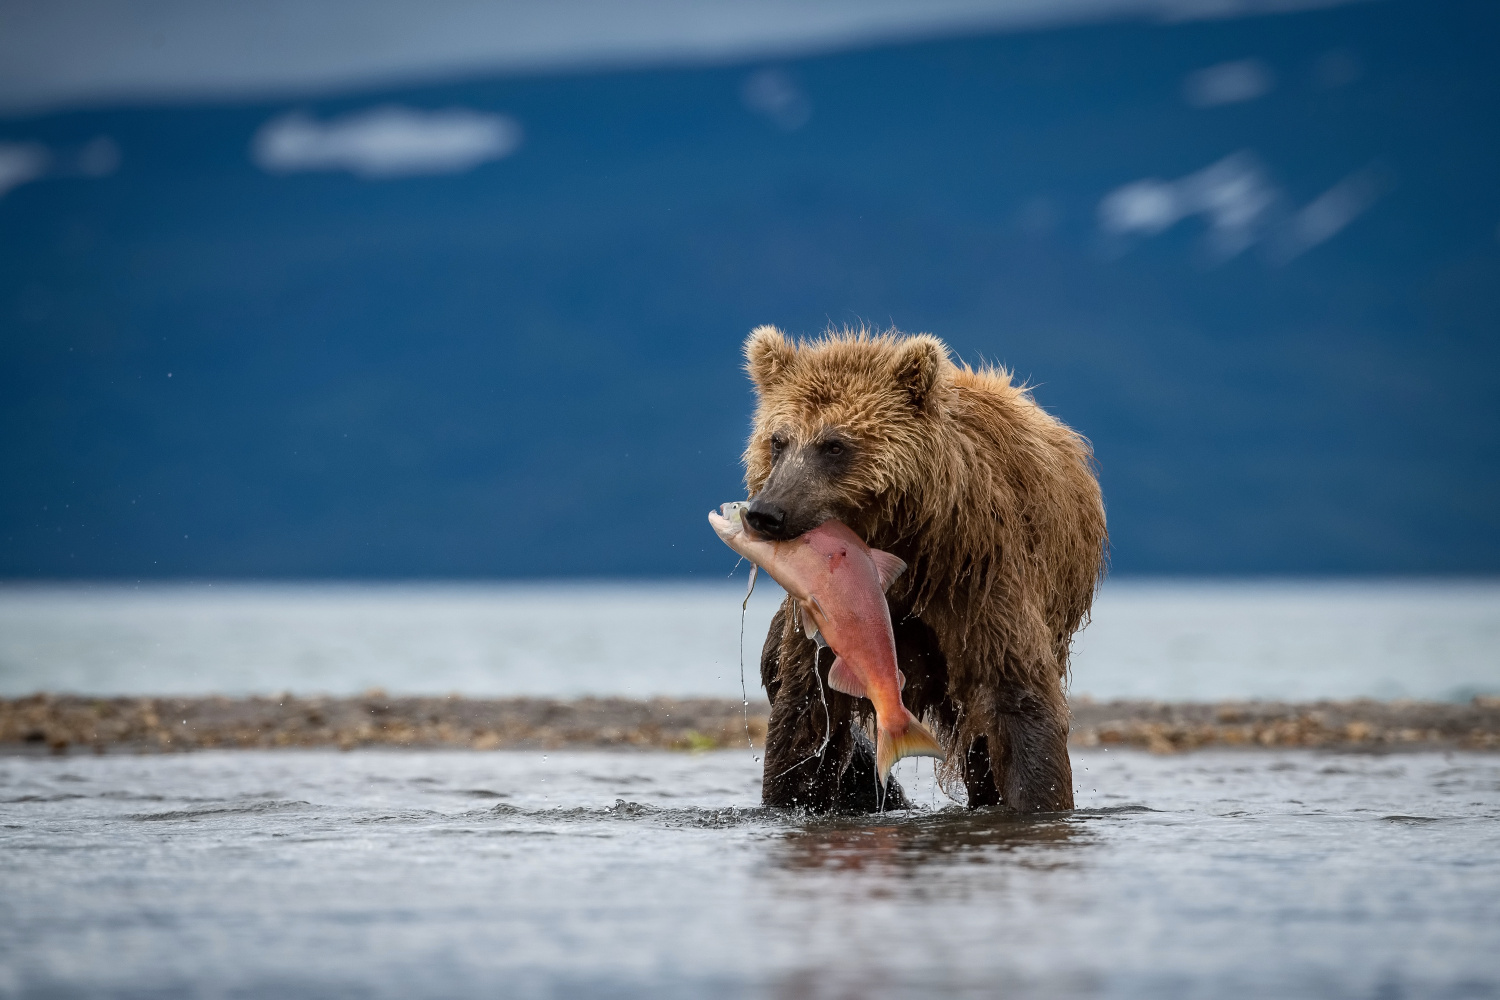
839,584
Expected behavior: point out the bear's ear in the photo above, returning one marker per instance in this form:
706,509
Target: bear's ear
919,363
768,354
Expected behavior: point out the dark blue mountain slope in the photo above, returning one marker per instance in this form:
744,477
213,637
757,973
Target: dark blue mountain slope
532,368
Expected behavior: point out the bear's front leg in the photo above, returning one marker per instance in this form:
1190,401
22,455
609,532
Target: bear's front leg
816,757
1029,752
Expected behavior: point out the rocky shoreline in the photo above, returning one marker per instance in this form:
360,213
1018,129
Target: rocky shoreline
46,723
1167,727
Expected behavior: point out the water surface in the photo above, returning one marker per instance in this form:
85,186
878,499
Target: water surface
453,874
1171,639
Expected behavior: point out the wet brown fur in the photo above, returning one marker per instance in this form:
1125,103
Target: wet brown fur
994,505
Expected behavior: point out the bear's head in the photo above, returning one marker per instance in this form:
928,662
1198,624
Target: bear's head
840,423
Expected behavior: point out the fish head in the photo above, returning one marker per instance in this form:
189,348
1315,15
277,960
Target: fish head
790,565
729,520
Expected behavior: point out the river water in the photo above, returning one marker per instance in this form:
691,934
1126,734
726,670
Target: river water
583,874
1164,639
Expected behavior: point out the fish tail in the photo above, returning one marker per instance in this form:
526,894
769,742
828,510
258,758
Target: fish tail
912,740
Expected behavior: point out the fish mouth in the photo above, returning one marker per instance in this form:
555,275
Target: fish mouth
729,520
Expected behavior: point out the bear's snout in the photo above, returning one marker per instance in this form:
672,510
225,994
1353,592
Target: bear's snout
767,520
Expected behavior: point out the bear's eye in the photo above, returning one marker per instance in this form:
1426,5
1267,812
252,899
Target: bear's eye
833,448
778,445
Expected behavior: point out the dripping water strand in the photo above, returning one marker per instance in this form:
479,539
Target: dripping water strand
744,693
823,697
827,717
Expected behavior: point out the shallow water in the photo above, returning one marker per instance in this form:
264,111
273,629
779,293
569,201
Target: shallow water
448,874
1170,639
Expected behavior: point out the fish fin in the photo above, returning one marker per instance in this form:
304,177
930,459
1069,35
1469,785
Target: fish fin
754,572
810,627
914,741
888,566
900,680
842,678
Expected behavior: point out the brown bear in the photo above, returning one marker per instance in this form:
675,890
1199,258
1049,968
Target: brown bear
995,507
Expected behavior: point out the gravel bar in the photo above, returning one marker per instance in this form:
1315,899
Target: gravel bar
45,723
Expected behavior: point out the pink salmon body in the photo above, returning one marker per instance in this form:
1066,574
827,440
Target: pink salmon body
839,584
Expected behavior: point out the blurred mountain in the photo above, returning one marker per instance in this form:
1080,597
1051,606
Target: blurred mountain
491,328
101,53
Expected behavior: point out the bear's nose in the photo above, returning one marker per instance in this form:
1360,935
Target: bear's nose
766,519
